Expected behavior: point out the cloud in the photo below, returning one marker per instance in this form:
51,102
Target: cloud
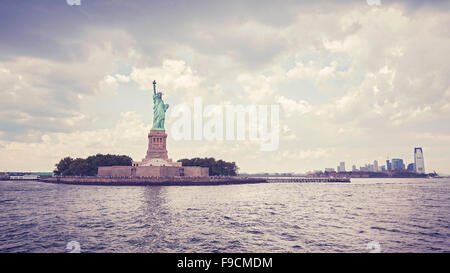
257,87
291,106
28,105
122,78
127,136
46,95
108,85
174,75
316,153
312,71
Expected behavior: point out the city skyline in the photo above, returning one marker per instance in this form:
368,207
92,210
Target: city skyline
393,164
351,85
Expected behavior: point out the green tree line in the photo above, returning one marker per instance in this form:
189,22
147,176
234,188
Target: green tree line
216,167
89,166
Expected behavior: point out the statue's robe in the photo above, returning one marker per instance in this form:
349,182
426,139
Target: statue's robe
159,113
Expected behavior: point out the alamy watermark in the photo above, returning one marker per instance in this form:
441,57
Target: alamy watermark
73,2
373,247
259,123
73,247
373,2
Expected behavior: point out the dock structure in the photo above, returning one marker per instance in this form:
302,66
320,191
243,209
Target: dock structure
307,180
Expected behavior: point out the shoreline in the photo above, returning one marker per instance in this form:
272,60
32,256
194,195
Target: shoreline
178,181
150,181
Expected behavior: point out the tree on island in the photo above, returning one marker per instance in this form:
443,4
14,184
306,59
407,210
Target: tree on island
63,165
89,166
216,168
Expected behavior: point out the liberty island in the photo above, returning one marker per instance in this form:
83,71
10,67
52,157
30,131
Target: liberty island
156,168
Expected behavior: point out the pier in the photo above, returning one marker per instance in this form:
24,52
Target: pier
307,180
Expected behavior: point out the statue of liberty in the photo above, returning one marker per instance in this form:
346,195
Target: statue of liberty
159,110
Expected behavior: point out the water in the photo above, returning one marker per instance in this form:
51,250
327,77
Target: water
401,215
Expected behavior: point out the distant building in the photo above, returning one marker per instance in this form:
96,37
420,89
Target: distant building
24,177
383,168
388,165
354,169
364,169
371,168
411,167
341,167
375,166
330,170
418,160
397,164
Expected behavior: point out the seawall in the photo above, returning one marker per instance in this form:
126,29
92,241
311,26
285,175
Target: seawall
152,181
180,181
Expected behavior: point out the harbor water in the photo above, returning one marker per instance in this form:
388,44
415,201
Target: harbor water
385,215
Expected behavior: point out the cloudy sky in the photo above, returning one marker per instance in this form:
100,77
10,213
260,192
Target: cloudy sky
355,82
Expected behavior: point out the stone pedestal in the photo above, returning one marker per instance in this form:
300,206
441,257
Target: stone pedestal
157,145
157,151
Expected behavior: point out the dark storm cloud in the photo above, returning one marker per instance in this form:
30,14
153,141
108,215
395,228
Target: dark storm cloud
418,4
36,28
51,29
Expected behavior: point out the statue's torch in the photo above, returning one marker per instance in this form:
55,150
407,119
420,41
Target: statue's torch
154,87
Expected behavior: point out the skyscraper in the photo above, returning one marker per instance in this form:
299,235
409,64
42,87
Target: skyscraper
411,167
397,164
418,160
341,167
375,166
